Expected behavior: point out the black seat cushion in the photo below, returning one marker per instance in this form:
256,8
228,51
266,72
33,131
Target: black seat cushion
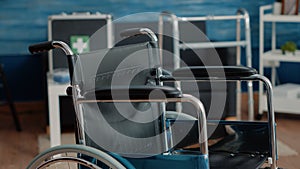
134,92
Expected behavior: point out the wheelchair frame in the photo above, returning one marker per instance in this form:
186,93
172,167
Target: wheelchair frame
178,75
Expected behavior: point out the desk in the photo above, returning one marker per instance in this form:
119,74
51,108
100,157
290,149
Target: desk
54,91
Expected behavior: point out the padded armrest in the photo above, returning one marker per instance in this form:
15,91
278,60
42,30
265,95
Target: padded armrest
134,92
210,72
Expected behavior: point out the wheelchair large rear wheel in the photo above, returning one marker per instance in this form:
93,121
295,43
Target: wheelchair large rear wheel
73,156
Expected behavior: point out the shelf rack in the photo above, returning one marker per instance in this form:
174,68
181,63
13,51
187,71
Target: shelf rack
273,58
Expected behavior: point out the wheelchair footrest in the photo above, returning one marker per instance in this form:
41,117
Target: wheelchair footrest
171,161
228,160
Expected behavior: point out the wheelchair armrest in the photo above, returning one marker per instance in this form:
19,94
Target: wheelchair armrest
211,72
142,92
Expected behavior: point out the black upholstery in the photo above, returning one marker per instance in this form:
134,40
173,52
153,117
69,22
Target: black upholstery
203,72
119,66
242,145
124,71
227,160
135,92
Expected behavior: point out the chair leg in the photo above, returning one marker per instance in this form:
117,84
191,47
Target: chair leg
9,100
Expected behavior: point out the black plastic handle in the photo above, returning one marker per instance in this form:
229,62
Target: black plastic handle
139,31
131,32
41,47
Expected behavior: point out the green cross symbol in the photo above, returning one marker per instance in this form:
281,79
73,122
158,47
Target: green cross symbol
80,43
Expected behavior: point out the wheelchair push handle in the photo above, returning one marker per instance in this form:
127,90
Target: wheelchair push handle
46,46
41,47
139,31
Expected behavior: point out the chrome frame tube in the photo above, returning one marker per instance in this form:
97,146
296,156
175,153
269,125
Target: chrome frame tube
160,37
202,45
79,114
150,33
271,118
248,61
176,52
238,62
261,51
176,58
50,55
176,45
202,126
210,17
175,35
271,113
201,116
63,46
109,31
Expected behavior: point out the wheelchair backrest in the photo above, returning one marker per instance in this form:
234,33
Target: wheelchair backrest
119,127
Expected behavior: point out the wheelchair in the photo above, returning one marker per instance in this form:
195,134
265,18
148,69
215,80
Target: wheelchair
120,102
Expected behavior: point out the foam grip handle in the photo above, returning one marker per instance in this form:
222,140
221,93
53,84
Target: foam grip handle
41,47
131,32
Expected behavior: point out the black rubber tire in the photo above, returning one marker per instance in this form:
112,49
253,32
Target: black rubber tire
43,158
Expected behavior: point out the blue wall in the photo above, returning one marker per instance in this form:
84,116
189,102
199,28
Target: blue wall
24,22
